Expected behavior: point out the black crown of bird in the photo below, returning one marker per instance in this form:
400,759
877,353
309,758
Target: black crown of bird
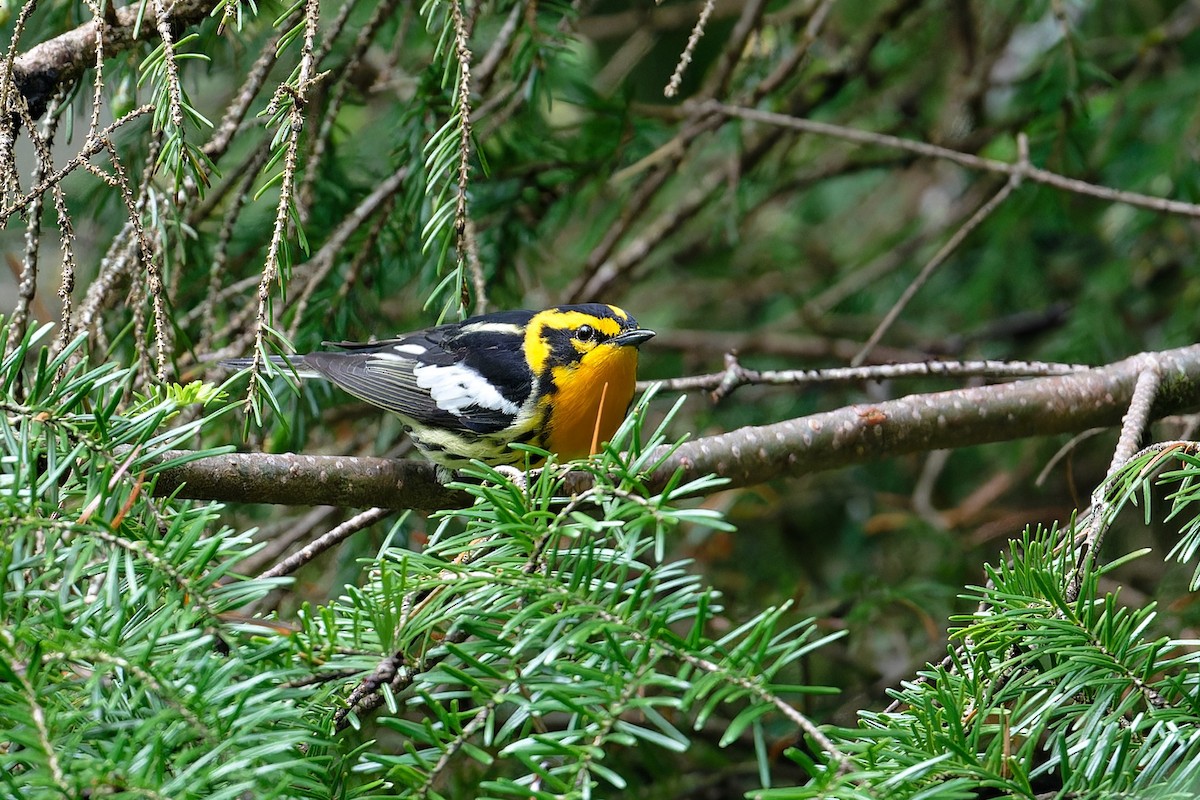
561,379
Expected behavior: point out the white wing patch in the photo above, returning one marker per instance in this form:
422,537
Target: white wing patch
493,327
393,352
455,387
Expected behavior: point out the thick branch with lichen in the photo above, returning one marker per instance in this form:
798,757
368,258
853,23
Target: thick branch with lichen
747,456
58,62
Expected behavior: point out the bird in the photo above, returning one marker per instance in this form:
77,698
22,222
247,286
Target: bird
561,379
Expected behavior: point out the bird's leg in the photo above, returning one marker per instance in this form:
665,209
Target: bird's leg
515,475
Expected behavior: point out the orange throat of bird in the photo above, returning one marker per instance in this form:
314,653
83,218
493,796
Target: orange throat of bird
591,403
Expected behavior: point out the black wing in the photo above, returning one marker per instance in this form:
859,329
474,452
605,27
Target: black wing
468,377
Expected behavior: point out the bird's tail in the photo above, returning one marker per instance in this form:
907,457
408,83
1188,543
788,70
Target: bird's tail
290,364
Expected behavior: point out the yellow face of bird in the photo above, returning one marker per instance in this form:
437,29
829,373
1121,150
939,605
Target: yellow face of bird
586,359
559,336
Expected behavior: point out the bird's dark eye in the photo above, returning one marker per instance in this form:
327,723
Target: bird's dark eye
585,333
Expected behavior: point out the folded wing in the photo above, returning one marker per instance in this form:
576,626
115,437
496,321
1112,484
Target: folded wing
422,376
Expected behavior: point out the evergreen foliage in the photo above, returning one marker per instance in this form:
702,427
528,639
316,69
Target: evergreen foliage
242,178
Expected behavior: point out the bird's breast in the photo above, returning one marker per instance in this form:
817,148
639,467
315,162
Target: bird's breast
590,401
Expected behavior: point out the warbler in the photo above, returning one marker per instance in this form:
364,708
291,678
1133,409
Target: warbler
561,379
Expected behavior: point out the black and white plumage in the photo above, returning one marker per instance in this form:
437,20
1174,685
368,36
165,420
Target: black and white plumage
467,390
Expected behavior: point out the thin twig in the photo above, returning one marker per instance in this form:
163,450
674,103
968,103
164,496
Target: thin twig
27,285
1027,172
121,257
735,375
66,233
1062,453
154,285
857,278
735,49
98,82
9,183
90,148
1138,417
486,70
335,537
1091,531
672,155
685,58
294,116
944,252
174,92
790,66
284,535
466,247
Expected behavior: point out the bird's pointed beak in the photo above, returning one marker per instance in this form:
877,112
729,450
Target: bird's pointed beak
634,338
